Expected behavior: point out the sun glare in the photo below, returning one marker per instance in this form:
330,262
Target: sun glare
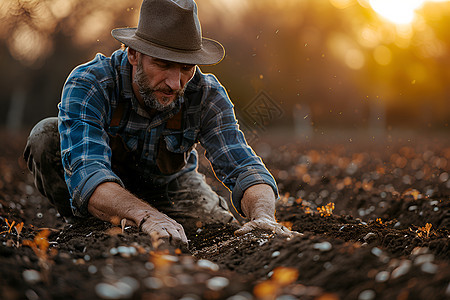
398,11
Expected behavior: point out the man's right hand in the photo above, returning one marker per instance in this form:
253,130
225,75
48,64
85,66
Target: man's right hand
111,201
163,230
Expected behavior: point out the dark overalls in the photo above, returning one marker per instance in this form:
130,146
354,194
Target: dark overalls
188,199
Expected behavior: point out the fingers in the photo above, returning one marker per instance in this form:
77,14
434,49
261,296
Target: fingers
266,225
166,234
246,228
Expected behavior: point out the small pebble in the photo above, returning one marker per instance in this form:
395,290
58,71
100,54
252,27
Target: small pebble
108,291
217,283
149,266
276,253
153,283
92,269
367,295
376,251
412,207
323,247
31,276
31,295
419,250
382,276
425,258
122,289
190,297
401,270
429,267
206,264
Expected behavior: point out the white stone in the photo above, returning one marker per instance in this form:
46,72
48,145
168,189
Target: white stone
217,283
402,269
323,247
430,268
206,264
31,276
367,295
382,276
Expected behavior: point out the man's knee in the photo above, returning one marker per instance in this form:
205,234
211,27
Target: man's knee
42,141
42,154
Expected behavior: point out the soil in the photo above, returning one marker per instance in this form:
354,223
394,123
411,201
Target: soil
364,210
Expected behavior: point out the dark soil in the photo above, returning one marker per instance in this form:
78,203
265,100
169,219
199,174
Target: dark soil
373,245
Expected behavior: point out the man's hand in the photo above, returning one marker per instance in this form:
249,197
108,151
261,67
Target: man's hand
111,201
266,224
258,204
164,231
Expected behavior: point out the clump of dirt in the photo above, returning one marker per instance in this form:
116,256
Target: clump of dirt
374,223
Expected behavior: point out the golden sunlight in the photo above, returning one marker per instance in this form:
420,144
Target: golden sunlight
398,11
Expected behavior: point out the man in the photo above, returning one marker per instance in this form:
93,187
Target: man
128,125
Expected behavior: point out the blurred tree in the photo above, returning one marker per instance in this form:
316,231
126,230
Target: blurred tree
336,58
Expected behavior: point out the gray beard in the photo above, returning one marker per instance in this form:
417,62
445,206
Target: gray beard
147,92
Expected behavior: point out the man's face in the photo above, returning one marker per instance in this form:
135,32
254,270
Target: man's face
161,82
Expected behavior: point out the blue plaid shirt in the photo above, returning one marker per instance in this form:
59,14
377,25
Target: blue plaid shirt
93,92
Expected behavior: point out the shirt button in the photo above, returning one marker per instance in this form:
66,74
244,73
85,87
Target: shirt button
146,154
148,130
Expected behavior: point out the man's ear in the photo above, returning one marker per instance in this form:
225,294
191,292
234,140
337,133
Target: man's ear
132,56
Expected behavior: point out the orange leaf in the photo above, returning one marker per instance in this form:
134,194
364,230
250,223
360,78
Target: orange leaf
284,276
19,227
266,289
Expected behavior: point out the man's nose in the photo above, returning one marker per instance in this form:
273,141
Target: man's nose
173,79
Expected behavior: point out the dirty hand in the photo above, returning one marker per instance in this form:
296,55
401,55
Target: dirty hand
266,224
164,231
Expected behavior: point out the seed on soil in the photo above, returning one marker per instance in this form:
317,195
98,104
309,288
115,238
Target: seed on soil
92,269
31,295
376,251
31,276
419,250
206,264
149,266
425,258
429,267
190,297
367,295
153,283
323,247
122,289
217,283
382,276
276,253
402,269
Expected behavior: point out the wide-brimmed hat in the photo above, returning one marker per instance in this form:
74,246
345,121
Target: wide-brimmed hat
170,30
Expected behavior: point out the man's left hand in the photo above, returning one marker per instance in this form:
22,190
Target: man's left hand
266,224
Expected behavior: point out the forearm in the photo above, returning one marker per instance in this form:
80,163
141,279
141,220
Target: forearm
258,202
111,201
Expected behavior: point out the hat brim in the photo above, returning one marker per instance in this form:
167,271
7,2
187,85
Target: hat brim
210,53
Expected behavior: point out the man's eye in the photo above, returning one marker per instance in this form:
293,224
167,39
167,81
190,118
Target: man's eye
187,67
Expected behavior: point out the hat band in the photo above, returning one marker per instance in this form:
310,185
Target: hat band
147,38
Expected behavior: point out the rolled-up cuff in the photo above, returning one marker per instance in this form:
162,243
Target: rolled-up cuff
82,194
246,180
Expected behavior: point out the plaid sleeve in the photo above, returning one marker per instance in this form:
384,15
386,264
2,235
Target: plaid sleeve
85,151
233,160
